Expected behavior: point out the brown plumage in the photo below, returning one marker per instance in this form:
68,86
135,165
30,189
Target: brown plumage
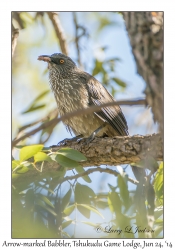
74,89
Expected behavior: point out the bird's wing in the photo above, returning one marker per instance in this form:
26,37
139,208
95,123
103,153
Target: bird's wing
113,114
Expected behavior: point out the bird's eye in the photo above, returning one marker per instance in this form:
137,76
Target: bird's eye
61,61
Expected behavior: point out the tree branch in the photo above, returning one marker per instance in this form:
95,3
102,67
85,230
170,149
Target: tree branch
109,151
78,112
59,31
90,171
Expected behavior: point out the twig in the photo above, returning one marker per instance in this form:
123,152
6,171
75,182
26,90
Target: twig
77,113
15,35
77,39
59,31
92,170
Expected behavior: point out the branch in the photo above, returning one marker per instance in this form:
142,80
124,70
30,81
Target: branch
77,39
15,34
59,31
108,151
90,171
78,112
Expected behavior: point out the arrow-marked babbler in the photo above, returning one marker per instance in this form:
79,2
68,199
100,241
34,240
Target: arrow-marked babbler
74,89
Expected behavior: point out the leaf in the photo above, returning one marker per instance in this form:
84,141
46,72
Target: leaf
66,224
46,200
19,146
80,195
158,182
98,67
66,200
40,156
87,190
84,211
72,154
33,108
41,95
29,151
66,162
93,209
114,202
119,82
41,204
85,177
29,199
123,190
69,210
22,170
15,163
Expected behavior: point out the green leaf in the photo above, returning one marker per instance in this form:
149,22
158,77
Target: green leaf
29,199
69,210
43,205
80,195
15,163
114,202
72,154
158,182
40,96
98,68
124,191
66,200
40,156
119,82
66,224
19,146
66,162
33,108
29,151
85,177
93,209
22,170
87,190
46,200
84,211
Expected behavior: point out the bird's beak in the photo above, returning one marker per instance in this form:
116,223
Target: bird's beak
44,58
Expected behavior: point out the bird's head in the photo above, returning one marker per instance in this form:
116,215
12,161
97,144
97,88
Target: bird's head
59,61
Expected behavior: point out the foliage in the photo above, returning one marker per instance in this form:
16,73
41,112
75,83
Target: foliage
50,212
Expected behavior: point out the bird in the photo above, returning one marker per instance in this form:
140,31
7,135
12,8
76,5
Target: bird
73,89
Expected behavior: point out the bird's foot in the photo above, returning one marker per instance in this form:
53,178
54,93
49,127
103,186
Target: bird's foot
89,139
92,136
